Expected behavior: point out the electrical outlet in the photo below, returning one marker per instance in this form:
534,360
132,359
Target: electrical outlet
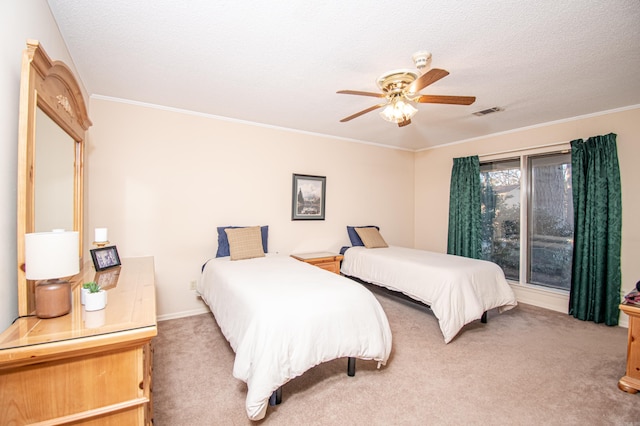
192,285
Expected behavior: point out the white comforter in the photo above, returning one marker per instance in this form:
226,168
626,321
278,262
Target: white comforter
282,317
458,289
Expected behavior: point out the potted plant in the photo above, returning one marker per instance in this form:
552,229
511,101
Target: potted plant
96,298
84,290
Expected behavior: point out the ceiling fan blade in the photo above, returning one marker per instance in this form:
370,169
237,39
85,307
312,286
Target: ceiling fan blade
426,79
356,92
364,111
442,99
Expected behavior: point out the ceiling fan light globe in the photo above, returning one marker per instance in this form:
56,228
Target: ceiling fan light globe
388,113
409,110
398,111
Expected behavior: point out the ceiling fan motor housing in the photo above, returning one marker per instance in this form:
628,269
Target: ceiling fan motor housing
394,82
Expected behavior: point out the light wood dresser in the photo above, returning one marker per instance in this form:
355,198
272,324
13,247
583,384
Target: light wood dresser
324,260
91,368
631,381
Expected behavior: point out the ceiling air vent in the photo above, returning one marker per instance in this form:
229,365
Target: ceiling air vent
488,111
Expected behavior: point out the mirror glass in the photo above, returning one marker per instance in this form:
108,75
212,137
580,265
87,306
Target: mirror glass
54,176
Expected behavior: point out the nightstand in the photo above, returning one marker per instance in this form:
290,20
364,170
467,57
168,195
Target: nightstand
631,381
324,260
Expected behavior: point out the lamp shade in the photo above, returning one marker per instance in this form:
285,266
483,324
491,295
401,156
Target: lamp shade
50,255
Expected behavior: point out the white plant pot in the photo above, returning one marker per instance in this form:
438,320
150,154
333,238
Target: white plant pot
83,294
95,301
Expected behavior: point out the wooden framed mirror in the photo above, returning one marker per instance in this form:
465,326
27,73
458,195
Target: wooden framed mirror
52,126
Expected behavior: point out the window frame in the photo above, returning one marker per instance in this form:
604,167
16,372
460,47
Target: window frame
525,194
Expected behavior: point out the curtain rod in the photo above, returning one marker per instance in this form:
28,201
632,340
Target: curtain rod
513,151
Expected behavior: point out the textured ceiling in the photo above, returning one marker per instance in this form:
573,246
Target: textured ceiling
281,63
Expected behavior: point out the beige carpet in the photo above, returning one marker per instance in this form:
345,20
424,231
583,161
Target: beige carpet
528,366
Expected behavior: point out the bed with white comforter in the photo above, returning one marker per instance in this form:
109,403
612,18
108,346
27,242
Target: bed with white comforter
282,316
458,289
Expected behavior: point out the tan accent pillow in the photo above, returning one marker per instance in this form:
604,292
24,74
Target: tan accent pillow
371,237
245,243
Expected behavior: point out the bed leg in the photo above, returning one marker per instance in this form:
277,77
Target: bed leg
276,397
351,366
483,319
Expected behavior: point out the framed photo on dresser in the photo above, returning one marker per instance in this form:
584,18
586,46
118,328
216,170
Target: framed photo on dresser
105,257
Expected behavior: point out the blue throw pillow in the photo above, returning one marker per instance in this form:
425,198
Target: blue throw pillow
223,242
354,237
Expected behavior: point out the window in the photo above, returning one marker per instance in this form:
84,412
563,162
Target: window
527,218
500,198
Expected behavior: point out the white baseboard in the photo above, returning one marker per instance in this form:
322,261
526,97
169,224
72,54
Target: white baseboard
544,298
204,310
550,299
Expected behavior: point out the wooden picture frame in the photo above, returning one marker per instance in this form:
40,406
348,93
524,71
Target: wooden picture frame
105,257
308,197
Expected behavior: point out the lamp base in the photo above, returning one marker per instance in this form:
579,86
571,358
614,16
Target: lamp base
53,298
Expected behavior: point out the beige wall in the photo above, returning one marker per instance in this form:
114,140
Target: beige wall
162,181
19,21
433,171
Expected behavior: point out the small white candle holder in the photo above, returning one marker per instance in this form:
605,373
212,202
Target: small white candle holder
100,237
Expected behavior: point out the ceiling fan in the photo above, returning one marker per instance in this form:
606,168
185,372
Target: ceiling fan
400,89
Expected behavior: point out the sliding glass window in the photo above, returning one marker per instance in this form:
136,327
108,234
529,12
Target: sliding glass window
527,218
500,198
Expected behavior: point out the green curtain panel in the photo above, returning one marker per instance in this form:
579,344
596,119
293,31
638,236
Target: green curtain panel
464,208
597,204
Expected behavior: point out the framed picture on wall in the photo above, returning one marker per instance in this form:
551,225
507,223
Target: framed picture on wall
105,257
308,197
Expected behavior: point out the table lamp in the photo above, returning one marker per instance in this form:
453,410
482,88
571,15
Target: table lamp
51,257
